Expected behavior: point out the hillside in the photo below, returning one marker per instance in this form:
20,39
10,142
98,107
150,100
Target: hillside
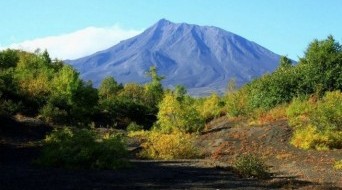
226,139
202,58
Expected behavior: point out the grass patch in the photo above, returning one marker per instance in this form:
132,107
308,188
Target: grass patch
250,165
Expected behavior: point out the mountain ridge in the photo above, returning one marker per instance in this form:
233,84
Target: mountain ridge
202,58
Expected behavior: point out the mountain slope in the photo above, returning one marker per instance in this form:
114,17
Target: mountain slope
202,58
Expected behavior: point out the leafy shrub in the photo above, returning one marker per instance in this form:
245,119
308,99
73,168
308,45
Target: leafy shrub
328,115
210,108
53,114
83,149
309,137
317,123
175,145
237,103
178,115
134,127
9,107
250,165
262,117
273,89
318,71
298,111
338,165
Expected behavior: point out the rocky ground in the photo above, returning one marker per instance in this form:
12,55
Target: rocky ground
292,168
225,139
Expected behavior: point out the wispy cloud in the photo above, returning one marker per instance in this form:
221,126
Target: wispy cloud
77,44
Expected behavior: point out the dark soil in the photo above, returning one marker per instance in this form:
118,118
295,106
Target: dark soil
20,145
224,140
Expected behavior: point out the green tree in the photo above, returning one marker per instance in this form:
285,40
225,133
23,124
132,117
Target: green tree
72,100
109,88
284,63
154,89
33,76
46,57
125,105
322,65
8,58
180,92
65,83
133,92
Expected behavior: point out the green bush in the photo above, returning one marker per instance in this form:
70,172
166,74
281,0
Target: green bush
250,165
237,103
50,113
318,71
328,115
298,111
83,149
9,107
134,127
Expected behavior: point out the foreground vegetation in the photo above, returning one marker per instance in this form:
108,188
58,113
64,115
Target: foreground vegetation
84,148
307,94
166,146
251,166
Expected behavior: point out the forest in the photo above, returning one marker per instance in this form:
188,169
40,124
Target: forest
166,122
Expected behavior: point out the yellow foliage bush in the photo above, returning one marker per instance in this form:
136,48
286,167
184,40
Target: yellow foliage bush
310,138
317,123
167,146
237,103
338,165
178,115
328,115
36,86
211,107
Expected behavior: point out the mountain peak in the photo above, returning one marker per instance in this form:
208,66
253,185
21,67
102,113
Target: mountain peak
164,21
201,58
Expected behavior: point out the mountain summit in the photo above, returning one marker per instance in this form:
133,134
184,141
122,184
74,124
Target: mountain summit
202,58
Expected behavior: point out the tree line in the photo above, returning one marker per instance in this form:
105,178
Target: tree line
33,84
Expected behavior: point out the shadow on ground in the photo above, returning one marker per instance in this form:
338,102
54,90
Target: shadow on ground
19,146
19,173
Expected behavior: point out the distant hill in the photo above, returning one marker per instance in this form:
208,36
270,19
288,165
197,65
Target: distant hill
202,58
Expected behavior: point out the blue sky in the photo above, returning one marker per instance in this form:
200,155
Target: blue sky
283,26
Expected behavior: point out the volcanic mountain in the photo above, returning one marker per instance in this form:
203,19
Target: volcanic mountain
202,58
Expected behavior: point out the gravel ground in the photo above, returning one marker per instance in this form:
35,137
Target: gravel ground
225,140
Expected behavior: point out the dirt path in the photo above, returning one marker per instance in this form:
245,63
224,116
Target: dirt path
18,147
142,175
16,172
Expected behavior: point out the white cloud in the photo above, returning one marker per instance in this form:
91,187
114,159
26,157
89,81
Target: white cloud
77,44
